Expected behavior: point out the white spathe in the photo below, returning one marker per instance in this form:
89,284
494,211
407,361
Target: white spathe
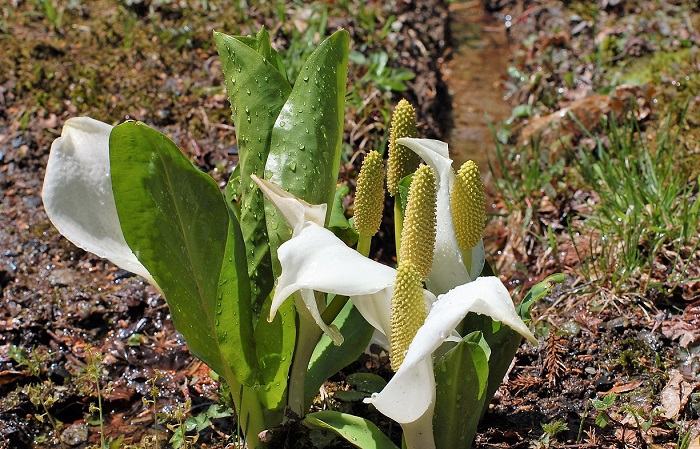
448,270
78,197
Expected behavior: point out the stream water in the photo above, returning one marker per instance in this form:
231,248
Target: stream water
474,75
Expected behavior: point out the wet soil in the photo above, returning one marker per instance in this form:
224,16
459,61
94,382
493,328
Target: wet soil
480,54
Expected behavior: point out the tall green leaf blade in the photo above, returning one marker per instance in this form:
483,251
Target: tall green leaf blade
461,376
306,141
179,226
257,91
358,431
275,346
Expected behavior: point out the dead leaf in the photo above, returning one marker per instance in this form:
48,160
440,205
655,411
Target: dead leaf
624,388
675,394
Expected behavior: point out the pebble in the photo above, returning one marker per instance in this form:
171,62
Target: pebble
75,434
62,276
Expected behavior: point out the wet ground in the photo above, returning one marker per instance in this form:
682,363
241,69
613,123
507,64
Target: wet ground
480,55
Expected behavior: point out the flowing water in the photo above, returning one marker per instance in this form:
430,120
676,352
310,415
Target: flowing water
474,75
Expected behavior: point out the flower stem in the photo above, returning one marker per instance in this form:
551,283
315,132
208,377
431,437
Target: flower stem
248,410
364,244
334,308
398,224
307,337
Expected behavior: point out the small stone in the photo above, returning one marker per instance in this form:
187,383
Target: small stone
75,434
62,276
617,324
603,383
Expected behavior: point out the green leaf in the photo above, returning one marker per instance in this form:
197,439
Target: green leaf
328,359
461,376
338,223
275,347
358,431
179,226
306,140
263,46
536,293
602,420
257,91
603,404
367,382
404,187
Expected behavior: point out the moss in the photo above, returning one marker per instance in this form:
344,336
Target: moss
674,73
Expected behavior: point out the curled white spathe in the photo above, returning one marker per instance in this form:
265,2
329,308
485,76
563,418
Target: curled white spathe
78,197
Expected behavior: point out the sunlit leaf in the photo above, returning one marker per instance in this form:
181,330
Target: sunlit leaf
256,90
306,140
462,377
358,431
180,228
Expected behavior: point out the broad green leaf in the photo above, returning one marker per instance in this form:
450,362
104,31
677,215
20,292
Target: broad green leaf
261,44
338,223
275,346
257,91
358,431
328,359
306,141
179,226
461,376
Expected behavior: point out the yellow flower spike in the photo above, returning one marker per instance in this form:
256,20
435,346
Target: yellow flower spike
402,161
419,226
369,199
467,201
408,312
